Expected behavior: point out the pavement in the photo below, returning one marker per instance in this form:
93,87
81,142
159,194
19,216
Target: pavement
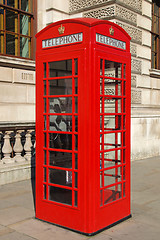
17,220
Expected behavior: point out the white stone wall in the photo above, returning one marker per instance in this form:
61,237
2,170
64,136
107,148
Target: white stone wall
17,90
135,18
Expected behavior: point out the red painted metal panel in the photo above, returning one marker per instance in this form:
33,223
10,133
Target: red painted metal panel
83,90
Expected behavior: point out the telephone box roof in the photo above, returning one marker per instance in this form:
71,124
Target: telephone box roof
90,22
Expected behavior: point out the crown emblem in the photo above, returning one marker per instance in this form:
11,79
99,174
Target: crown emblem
111,30
61,29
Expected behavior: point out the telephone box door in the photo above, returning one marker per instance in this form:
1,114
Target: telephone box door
58,133
114,104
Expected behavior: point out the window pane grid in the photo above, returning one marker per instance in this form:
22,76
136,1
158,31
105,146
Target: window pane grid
155,55
61,94
112,130
16,26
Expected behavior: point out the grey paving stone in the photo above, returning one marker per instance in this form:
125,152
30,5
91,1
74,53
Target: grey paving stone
14,214
5,230
15,236
132,229
41,230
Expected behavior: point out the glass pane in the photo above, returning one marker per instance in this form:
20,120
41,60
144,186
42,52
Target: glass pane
45,174
101,67
1,42
112,176
45,69
45,105
60,123
60,195
124,71
112,122
45,191
76,123
112,87
112,194
76,85
60,68
76,180
75,198
45,122
60,159
45,140
11,44
76,142
60,177
112,140
124,189
76,104
1,18
76,160
45,158
101,198
11,21
24,47
112,158
25,24
45,88
13,3
60,141
113,69
76,66
112,105
60,86
26,5
60,105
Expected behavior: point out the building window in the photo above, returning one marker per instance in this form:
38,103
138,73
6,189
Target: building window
155,59
16,28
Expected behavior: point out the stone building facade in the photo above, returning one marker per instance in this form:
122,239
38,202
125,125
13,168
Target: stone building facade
136,18
17,75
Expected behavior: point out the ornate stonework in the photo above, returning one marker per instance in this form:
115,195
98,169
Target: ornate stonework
136,66
133,81
126,14
133,49
136,96
136,4
135,33
77,5
101,13
113,10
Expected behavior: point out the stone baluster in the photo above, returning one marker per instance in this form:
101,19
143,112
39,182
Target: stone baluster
18,148
7,149
1,150
28,145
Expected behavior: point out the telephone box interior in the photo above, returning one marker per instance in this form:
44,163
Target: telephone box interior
83,91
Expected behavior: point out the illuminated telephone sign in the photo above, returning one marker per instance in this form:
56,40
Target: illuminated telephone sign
83,92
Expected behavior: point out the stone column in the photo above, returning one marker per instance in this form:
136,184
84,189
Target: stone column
7,149
28,145
18,148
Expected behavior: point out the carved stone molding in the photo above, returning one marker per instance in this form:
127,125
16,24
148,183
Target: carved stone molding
101,13
133,49
133,81
136,96
136,66
135,33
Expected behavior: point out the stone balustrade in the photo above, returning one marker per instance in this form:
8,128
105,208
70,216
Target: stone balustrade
17,145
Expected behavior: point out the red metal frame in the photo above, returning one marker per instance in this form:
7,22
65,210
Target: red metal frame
96,194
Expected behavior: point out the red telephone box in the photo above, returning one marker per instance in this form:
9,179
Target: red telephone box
83,71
